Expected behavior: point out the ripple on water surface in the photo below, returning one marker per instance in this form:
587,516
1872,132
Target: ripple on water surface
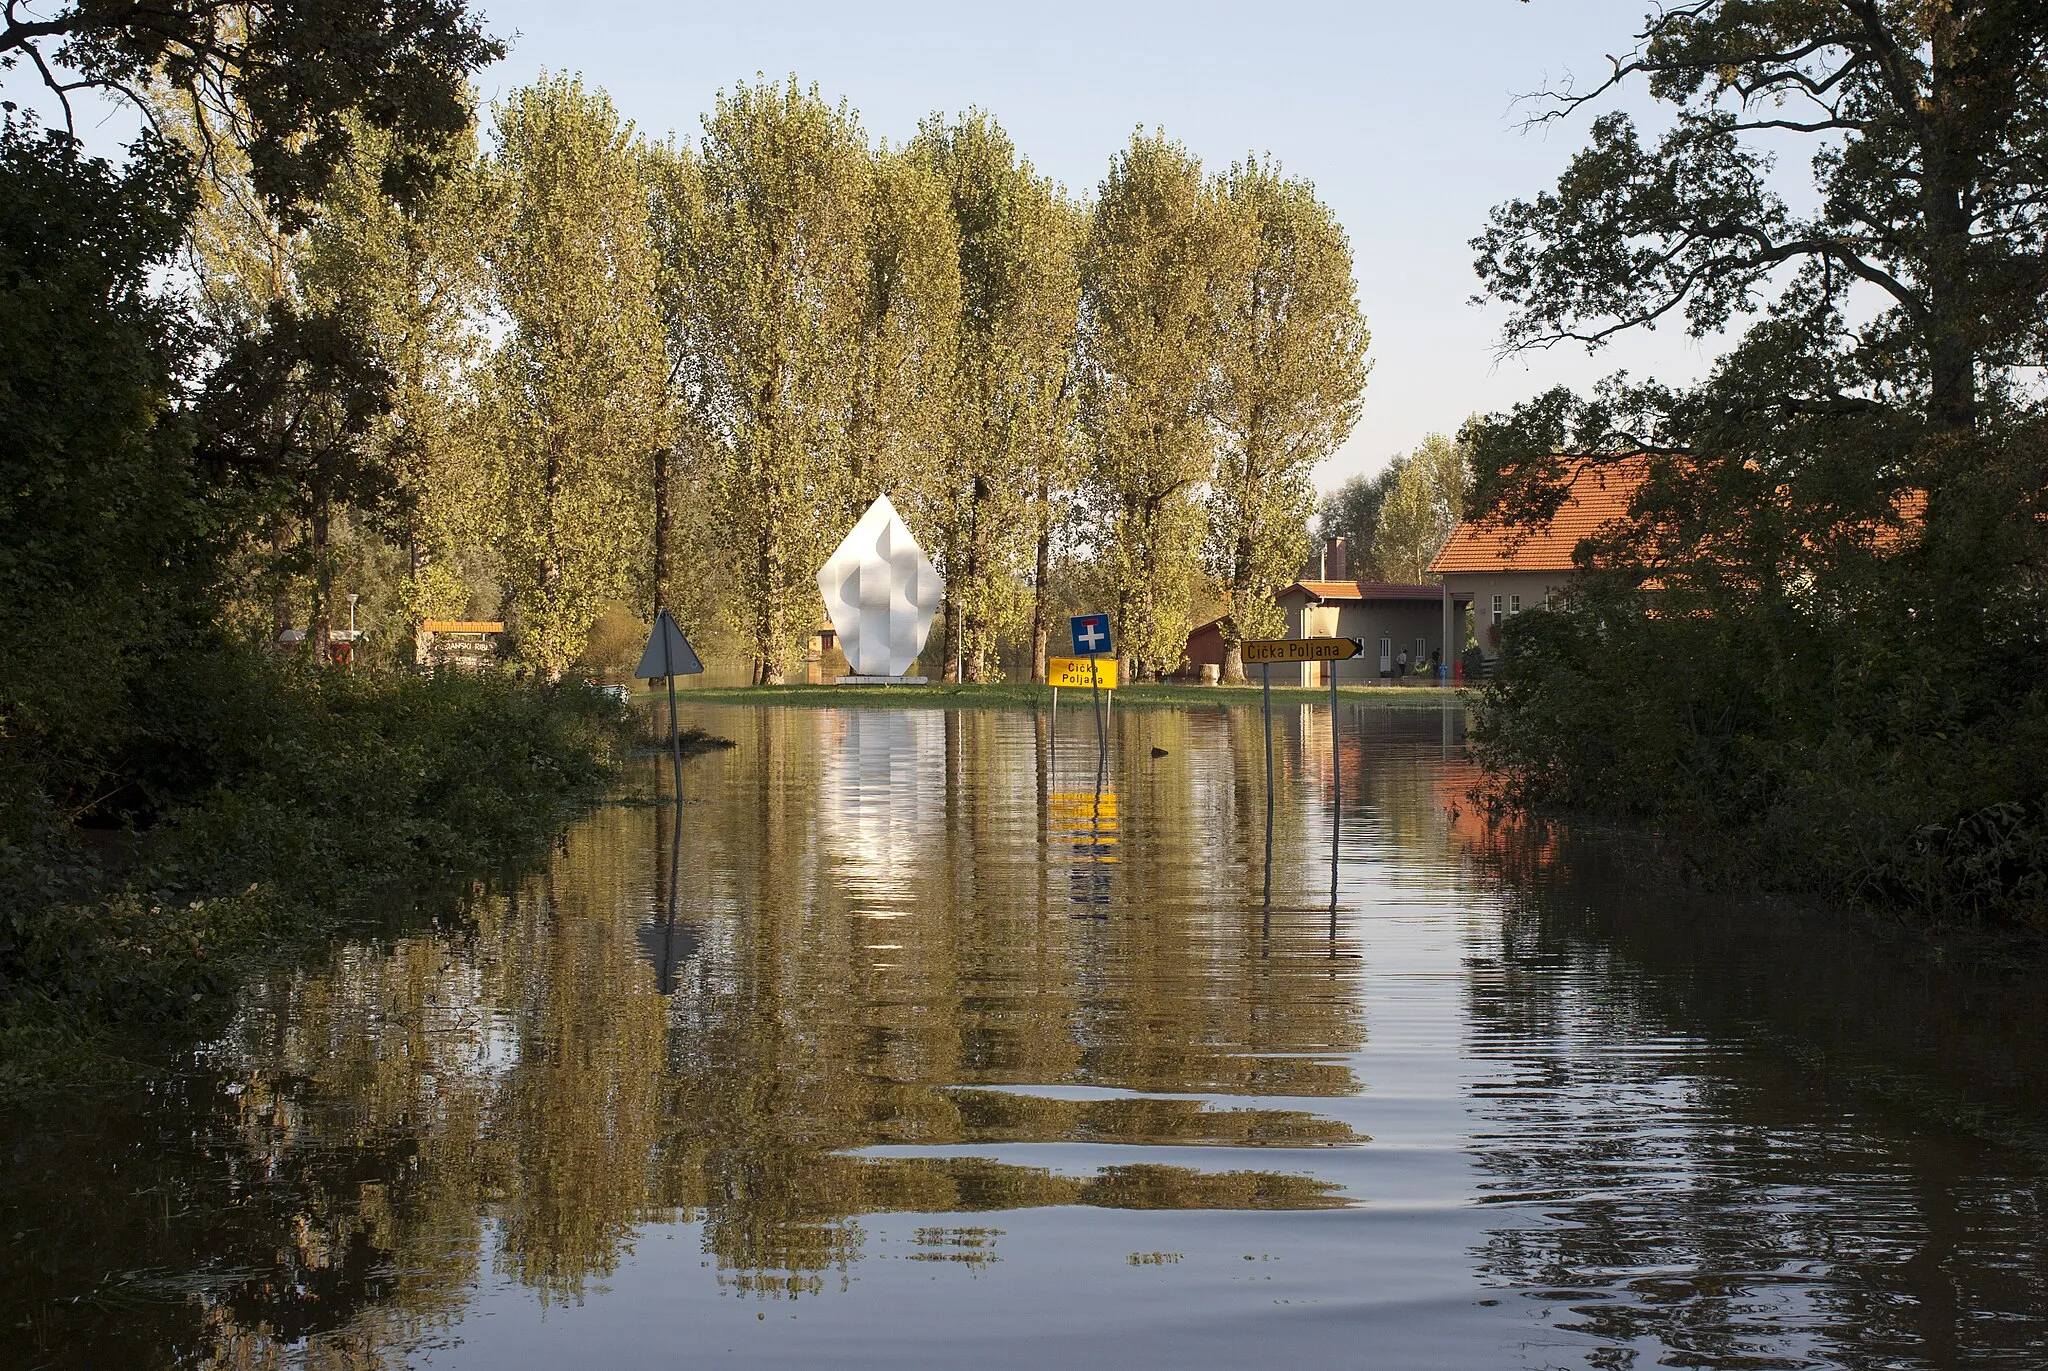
959,1042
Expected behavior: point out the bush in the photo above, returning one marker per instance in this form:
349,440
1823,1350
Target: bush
282,802
1821,752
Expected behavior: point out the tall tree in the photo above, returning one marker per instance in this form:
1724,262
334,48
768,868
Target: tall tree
1290,377
1352,512
582,371
771,287
1010,448
1423,504
289,82
1157,241
1854,497
411,278
903,398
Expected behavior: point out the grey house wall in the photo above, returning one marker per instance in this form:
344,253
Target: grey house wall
1404,623
1533,588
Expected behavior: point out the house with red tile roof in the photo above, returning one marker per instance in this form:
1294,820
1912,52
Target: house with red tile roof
1495,570
1399,625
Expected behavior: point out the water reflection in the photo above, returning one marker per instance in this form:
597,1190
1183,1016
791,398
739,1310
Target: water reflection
957,994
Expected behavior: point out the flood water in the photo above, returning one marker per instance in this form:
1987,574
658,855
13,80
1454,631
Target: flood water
966,1046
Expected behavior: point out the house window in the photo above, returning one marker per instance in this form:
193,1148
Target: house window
1496,609
1514,604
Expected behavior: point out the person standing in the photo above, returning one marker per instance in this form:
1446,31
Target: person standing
1401,664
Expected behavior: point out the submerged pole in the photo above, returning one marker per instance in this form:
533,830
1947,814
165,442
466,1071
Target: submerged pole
1095,685
1266,691
1336,798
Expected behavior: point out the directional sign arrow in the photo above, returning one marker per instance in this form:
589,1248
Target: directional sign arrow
1302,649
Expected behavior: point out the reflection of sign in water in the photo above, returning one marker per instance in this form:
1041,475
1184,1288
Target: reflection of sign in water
1087,822
1072,672
1301,650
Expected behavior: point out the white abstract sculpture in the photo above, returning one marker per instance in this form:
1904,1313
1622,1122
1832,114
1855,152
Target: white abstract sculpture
880,591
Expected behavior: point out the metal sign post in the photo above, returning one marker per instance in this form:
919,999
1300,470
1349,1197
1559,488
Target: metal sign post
1092,640
1266,690
668,654
1336,798
1095,692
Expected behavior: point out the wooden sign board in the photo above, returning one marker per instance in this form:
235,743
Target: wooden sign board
1072,672
1301,650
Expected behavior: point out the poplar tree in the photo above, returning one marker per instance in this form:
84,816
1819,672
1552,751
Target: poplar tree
1290,377
411,279
1009,456
1156,243
902,398
770,290
581,374
1423,504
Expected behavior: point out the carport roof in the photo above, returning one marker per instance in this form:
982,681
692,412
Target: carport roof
1323,591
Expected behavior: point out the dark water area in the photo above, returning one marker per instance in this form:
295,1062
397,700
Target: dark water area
967,1046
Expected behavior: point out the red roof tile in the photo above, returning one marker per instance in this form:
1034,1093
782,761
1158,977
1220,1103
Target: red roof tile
1598,496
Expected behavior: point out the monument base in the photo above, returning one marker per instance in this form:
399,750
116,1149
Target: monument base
881,680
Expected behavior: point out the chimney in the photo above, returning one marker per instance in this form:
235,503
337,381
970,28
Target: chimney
1335,561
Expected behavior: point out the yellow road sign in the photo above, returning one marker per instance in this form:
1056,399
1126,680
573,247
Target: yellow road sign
1301,650
1072,672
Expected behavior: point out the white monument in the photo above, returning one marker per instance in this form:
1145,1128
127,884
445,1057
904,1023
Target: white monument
881,591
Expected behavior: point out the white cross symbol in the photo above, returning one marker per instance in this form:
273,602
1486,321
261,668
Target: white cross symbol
1092,634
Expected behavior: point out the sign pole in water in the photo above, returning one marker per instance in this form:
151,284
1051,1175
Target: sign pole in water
1336,798
1266,690
1092,640
668,654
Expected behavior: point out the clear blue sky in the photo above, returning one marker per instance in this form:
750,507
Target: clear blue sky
1402,115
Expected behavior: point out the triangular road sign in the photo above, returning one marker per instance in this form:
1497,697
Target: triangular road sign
668,652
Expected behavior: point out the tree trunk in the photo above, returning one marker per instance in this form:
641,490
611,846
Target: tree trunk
774,622
317,632
417,560
280,598
661,531
949,640
1233,664
1951,352
1041,626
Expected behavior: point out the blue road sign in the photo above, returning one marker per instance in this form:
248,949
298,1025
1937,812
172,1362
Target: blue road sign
1091,635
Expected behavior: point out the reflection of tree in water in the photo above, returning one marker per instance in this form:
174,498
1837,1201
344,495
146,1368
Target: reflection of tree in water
1731,1135
515,1089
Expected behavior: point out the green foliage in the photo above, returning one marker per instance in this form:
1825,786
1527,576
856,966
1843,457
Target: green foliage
107,542
1396,520
1009,451
1290,378
1838,661
1156,243
293,77
767,285
290,800
581,380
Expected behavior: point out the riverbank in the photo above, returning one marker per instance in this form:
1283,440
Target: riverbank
1024,695
320,803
